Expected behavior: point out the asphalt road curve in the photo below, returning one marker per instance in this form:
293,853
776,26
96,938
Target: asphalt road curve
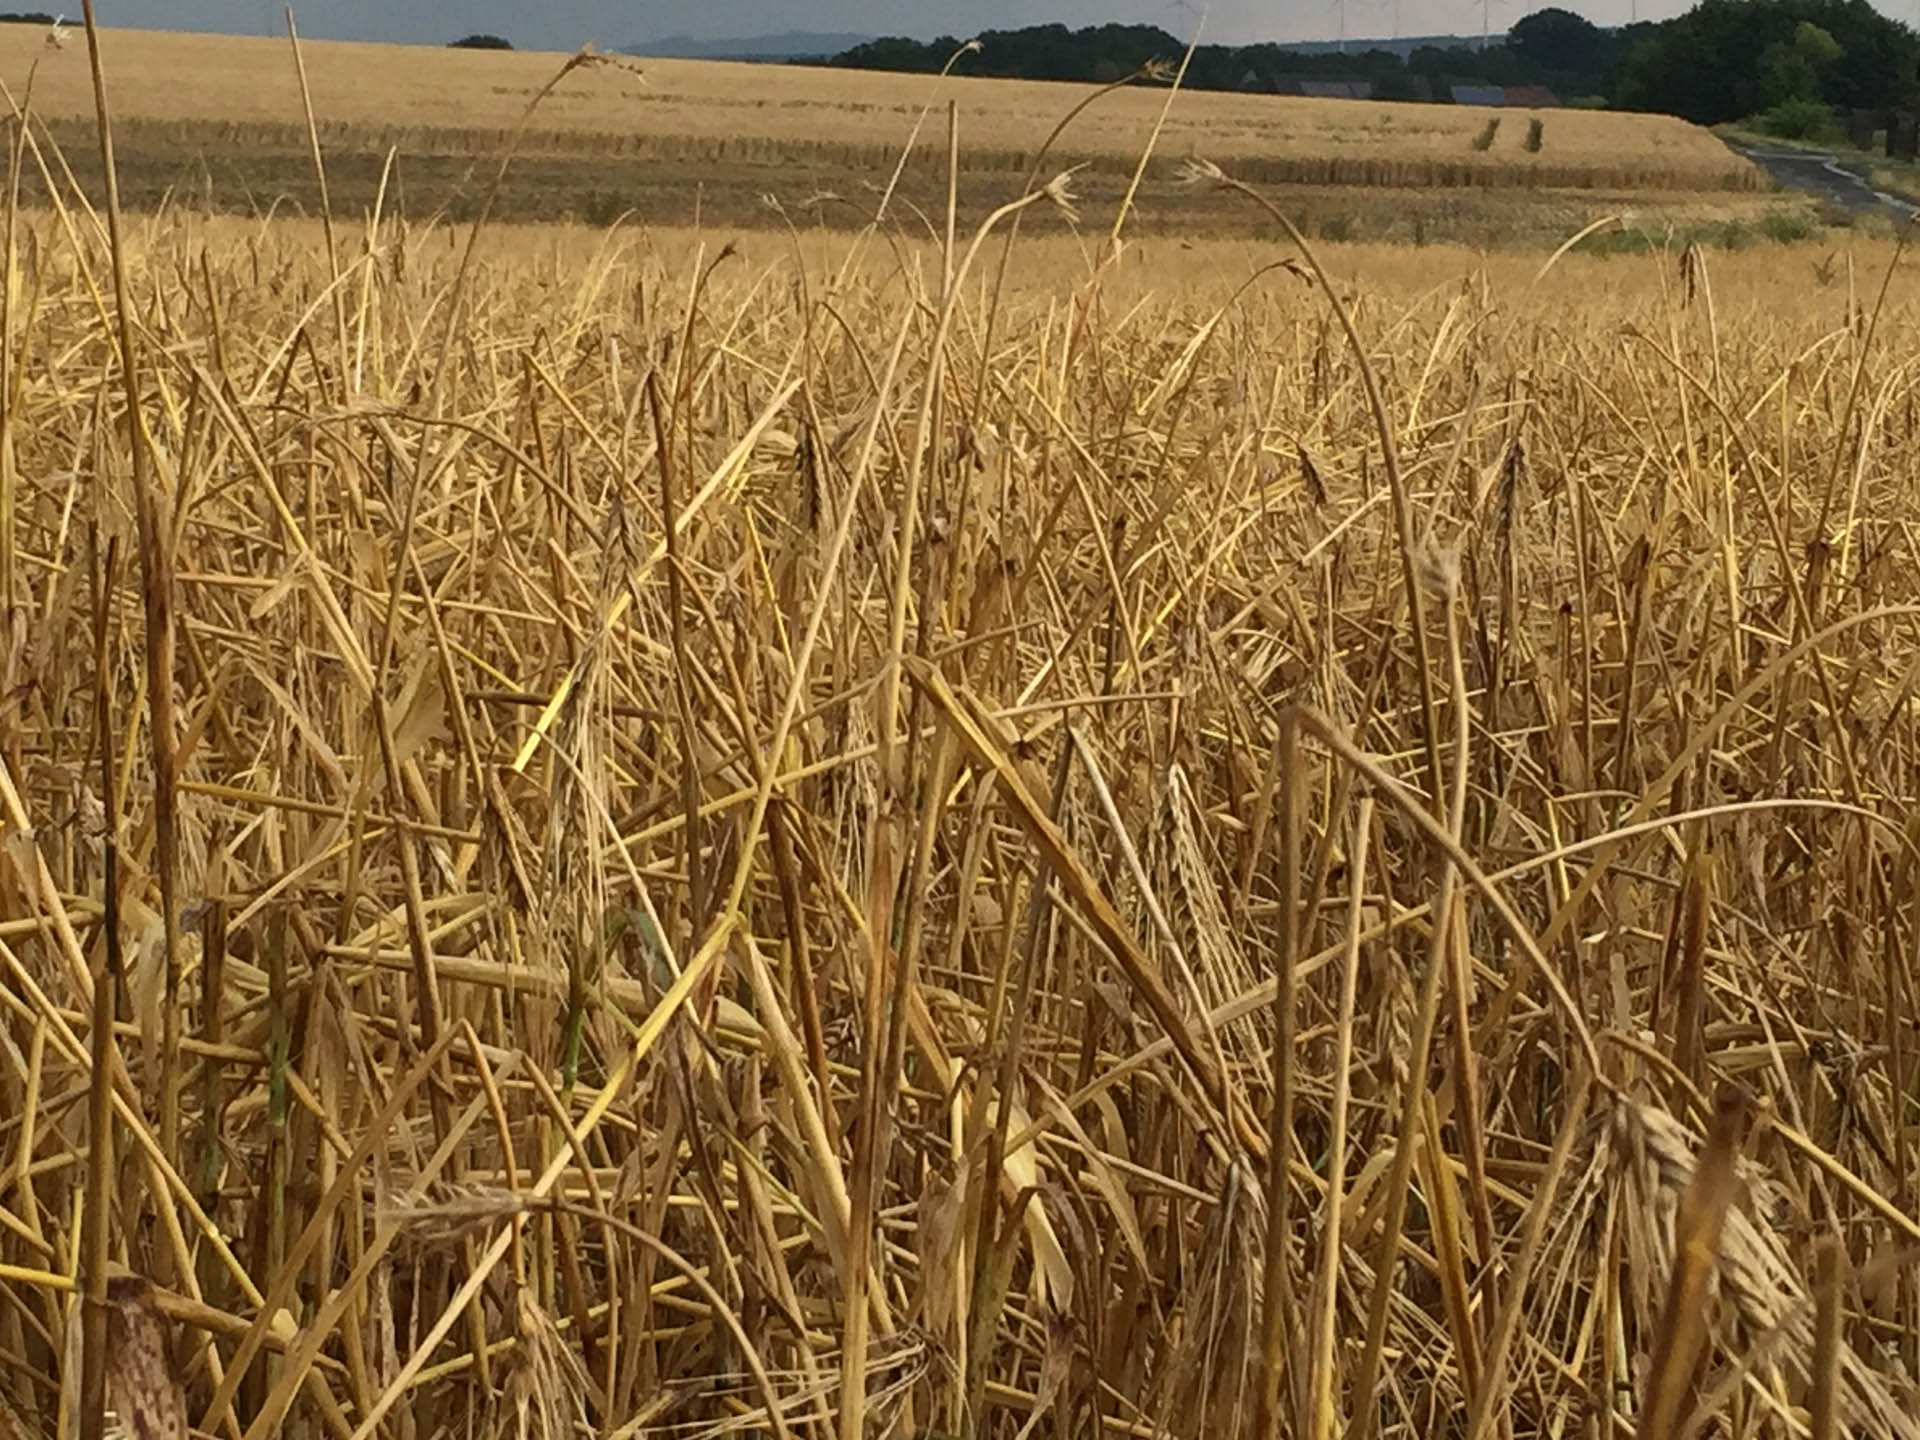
1824,176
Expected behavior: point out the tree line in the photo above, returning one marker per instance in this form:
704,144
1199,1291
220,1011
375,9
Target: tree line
1723,60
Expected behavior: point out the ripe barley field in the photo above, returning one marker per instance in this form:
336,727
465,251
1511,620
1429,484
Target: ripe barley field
219,121
604,833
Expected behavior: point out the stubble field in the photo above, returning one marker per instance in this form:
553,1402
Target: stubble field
847,834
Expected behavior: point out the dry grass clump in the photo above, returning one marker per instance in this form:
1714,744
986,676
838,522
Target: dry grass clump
615,835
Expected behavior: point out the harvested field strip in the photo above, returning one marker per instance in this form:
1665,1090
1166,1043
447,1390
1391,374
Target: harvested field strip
231,173
204,141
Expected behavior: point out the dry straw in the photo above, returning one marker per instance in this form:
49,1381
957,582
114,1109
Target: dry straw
812,837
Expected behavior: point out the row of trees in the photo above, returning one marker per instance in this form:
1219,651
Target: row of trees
1722,60
1102,53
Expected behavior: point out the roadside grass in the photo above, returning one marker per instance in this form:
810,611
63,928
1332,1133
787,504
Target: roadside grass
1784,226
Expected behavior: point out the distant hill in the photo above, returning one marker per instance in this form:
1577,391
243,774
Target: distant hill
792,45
815,45
1403,46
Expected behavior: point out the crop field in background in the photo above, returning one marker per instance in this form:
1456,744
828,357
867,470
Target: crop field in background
630,832
218,120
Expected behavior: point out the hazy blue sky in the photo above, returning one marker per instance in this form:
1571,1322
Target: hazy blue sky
566,24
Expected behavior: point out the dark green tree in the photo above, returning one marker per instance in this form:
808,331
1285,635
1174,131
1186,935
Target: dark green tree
1728,59
1556,39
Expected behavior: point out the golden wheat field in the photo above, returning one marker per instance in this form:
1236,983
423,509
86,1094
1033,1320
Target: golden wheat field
219,121
609,832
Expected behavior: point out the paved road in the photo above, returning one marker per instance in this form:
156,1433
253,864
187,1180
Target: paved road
1824,176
